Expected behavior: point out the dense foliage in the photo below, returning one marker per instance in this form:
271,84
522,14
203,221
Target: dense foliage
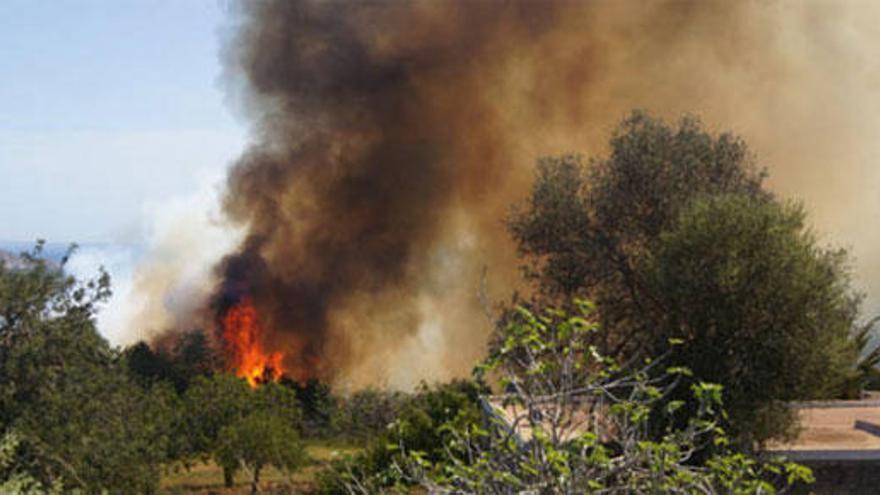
14,477
674,235
418,424
78,416
364,414
258,440
79,422
178,358
319,406
217,409
760,308
568,419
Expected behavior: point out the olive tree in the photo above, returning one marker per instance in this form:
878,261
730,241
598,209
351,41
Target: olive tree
758,305
260,439
218,419
673,234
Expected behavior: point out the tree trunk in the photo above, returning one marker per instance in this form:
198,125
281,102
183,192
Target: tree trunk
228,477
255,484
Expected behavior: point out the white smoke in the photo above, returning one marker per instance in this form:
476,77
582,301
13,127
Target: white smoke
161,280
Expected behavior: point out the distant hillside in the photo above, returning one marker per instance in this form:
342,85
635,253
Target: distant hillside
11,260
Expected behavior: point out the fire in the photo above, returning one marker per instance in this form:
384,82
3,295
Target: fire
242,335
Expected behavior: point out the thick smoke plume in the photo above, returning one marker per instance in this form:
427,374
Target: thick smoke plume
390,139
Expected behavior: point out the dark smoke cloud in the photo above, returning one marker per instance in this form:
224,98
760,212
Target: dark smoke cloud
357,165
390,139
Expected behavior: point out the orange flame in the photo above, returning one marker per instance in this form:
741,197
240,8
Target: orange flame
242,334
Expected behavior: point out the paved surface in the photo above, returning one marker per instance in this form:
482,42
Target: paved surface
844,430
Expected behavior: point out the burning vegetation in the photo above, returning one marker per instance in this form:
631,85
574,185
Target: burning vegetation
243,338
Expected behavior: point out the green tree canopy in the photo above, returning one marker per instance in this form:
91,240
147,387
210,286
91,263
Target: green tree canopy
177,358
586,228
318,404
80,421
213,403
419,424
673,234
260,439
219,404
760,307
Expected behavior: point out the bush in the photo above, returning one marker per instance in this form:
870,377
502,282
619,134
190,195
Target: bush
367,413
319,406
571,420
418,424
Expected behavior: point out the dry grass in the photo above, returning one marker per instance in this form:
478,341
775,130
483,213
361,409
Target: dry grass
207,478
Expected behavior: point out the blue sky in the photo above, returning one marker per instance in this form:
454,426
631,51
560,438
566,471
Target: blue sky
106,107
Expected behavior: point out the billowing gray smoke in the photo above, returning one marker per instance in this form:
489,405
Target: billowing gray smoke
374,130
390,139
